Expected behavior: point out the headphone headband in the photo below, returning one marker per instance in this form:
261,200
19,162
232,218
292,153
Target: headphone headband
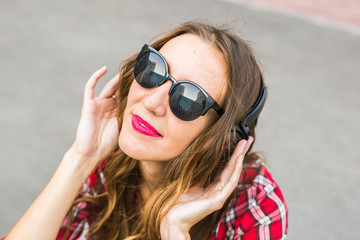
242,128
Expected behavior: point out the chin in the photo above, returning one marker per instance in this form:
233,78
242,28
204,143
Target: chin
134,148
131,152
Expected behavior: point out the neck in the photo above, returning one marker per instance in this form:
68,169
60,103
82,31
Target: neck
151,172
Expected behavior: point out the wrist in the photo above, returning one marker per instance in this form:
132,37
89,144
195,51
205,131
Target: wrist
83,165
173,232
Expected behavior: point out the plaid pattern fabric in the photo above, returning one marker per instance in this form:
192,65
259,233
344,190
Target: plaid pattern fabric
256,211
82,209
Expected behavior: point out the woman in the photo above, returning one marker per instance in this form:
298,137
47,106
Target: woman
161,156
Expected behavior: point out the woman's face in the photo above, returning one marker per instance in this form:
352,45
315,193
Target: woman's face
189,58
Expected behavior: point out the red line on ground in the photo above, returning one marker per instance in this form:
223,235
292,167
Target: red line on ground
345,11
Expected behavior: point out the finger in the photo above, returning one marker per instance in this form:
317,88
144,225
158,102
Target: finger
91,83
228,170
231,184
248,144
110,87
241,149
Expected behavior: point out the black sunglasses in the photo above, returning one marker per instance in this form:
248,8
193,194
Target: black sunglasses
188,100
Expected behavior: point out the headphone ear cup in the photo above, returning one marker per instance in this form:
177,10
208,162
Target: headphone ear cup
245,130
240,131
235,133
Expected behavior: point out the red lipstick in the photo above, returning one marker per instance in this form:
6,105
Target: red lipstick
143,127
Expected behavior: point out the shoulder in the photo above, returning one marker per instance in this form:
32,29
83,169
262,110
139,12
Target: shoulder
257,209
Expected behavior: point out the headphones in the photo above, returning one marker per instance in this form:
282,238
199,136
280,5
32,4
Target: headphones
242,129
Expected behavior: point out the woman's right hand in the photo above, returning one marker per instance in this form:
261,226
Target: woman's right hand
96,138
98,132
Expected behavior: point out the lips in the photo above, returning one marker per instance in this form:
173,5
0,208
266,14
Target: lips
143,127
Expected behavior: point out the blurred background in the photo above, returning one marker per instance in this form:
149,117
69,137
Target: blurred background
309,52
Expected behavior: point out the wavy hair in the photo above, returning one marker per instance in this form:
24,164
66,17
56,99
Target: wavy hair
115,213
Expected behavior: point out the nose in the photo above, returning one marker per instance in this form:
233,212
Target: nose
157,100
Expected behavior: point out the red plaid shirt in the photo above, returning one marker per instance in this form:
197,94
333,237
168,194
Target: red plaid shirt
257,211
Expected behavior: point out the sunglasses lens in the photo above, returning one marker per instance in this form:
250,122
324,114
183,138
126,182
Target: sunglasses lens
187,102
149,70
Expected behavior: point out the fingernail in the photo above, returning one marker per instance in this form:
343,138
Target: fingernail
242,143
241,146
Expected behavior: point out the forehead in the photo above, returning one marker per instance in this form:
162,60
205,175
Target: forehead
191,58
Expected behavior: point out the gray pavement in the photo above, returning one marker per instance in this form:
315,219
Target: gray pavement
308,130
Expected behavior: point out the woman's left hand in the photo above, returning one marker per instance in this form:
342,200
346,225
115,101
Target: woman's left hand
197,203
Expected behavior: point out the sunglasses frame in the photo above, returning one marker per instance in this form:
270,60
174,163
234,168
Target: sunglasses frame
210,102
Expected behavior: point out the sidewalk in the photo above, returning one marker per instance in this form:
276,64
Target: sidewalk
335,13
309,128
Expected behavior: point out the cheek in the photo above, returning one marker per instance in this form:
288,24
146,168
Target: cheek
185,133
134,95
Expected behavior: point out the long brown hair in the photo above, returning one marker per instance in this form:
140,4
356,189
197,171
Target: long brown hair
115,214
